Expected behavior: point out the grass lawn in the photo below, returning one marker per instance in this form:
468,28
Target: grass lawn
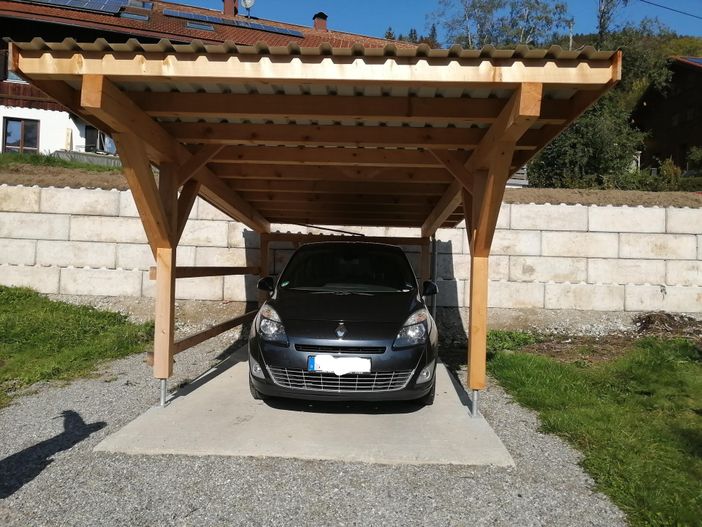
9,159
637,418
44,340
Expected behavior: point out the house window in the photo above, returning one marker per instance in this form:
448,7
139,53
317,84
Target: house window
20,135
97,141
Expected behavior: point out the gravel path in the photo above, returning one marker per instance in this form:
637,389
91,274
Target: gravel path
51,477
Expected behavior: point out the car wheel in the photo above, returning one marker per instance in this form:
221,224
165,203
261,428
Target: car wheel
428,399
254,392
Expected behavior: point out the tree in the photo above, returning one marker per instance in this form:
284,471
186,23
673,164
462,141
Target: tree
606,11
502,23
390,34
596,149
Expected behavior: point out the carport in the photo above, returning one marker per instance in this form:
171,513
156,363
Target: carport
392,137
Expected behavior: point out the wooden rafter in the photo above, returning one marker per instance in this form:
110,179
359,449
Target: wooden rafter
198,161
304,107
333,135
513,122
333,173
267,155
110,105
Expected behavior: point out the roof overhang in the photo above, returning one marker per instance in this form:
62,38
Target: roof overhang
355,136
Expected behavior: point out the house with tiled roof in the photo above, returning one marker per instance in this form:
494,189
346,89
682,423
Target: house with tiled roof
672,117
32,122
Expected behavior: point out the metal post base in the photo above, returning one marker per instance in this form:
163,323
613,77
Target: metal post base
474,404
163,392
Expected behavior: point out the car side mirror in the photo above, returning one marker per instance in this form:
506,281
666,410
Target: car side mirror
429,288
266,284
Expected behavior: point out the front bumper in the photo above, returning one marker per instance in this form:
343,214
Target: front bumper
393,377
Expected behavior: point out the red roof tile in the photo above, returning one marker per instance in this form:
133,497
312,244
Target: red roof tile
160,26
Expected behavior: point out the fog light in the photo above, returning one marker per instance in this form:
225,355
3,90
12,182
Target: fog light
426,374
256,370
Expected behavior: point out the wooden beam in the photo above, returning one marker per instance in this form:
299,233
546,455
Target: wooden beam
360,197
294,237
513,122
486,204
289,68
186,200
199,272
332,135
164,331
107,102
372,157
137,171
333,173
419,110
200,158
336,187
477,322
282,206
455,163
194,340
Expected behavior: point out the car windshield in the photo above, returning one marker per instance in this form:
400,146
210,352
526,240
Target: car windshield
348,268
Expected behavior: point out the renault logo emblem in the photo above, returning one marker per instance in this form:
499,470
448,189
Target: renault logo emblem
341,331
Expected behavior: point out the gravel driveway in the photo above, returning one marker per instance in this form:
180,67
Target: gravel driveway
49,476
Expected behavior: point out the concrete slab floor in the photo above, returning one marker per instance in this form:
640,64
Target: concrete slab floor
216,416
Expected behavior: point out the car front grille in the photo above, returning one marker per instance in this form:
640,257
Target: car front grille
340,349
380,381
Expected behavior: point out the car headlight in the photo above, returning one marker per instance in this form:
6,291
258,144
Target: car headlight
414,331
270,327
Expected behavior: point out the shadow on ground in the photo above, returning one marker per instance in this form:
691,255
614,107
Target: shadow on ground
19,469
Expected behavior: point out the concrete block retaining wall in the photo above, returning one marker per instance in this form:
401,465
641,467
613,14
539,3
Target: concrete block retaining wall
91,242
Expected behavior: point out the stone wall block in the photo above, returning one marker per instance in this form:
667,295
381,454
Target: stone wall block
93,202
505,216
18,252
673,299
658,246
204,211
547,269
586,297
549,217
627,219
127,207
684,272
451,241
684,220
19,199
42,279
515,295
520,243
227,257
239,235
241,288
34,226
205,233
580,244
207,288
619,271
100,282
76,254
139,256
102,229
451,293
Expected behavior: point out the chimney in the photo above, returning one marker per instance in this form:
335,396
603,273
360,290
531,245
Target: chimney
231,7
320,21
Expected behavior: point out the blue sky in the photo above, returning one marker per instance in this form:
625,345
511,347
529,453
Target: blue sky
372,17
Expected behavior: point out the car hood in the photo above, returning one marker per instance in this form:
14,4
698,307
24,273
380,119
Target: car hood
392,308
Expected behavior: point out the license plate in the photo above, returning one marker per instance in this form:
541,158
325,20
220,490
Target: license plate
338,365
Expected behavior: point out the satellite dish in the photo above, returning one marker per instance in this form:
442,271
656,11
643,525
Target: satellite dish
248,4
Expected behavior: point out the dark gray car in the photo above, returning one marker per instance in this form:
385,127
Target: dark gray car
345,321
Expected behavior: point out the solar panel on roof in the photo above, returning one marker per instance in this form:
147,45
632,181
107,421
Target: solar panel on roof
227,22
97,6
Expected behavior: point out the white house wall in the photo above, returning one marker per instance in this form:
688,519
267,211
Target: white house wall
57,130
